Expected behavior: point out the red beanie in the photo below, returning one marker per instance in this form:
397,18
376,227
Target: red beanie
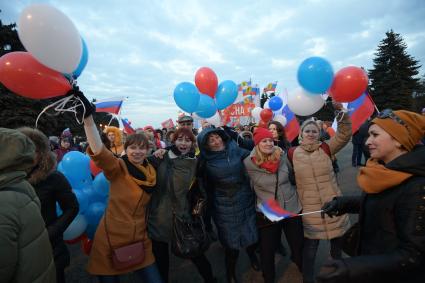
260,134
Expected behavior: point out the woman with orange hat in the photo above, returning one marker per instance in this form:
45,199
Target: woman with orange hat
391,242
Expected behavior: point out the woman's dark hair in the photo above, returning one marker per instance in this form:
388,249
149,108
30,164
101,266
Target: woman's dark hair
139,139
280,130
184,132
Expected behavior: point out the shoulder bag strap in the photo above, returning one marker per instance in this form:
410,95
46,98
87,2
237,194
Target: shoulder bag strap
277,184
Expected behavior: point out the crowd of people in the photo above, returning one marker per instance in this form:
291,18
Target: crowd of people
152,172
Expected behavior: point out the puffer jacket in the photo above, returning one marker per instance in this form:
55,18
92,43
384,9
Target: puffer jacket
25,251
227,184
175,175
264,184
317,184
392,227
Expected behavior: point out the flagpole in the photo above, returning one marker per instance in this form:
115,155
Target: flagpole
311,212
113,116
373,102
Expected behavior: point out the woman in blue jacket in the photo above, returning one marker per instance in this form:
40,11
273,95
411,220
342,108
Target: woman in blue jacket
224,177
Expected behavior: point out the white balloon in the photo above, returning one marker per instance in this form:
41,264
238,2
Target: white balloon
266,104
303,103
255,113
51,37
281,119
215,120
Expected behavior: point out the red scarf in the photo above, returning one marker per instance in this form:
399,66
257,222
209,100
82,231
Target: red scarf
271,166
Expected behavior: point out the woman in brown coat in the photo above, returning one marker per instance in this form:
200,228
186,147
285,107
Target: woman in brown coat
316,185
132,181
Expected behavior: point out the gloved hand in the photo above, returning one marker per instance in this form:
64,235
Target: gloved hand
89,108
331,208
333,271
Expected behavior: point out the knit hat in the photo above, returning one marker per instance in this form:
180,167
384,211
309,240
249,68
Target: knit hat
408,134
260,134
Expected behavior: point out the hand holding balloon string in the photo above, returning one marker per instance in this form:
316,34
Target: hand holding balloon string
74,102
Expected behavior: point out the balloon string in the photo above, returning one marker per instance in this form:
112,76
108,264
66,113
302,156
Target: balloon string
60,107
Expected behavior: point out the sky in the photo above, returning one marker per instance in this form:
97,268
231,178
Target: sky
143,49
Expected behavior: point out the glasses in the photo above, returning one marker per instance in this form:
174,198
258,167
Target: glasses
388,113
185,124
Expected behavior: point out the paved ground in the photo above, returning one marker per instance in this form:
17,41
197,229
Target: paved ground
184,271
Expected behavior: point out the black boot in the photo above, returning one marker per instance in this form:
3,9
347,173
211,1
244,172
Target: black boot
255,264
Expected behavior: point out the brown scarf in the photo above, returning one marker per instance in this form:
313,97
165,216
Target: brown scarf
310,147
375,177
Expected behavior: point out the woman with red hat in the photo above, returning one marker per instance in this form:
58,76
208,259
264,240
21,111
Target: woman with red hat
390,246
268,169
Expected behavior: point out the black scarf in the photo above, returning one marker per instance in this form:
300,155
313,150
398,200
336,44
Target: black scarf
135,173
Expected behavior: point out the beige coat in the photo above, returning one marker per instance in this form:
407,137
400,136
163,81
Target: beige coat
317,184
125,198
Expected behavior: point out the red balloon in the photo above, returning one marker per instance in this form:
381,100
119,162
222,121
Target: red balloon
24,75
206,81
76,240
86,245
94,169
348,84
263,124
266,115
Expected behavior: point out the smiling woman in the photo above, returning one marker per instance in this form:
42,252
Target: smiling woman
391,245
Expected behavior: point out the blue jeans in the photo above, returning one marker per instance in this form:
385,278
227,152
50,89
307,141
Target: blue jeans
148,274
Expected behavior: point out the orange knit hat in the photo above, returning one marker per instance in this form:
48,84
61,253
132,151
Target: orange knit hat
406,127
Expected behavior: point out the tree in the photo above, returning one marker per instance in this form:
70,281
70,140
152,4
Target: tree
392,79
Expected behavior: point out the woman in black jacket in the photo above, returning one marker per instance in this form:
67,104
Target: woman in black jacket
51,187
391,243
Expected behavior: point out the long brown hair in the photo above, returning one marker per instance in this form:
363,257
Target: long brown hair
280,130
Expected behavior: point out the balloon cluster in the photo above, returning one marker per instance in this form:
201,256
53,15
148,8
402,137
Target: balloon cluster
91,189
316,77
206,96
272,111
56,54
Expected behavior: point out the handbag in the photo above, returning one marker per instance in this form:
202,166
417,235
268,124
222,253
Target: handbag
262,220
189,236
350,240
128,255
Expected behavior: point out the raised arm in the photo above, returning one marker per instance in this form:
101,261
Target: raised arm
92,134
343,133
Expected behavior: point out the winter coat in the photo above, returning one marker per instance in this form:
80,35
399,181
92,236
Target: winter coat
175,175
224,177
392,227
25,251
264,184
317,184
126,216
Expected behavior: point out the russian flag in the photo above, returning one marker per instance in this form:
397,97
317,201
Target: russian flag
359,110
127,128
272,210
292,127
110,105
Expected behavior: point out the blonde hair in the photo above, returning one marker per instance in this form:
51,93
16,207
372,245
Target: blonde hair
260,157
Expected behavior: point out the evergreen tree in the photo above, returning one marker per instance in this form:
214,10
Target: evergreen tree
392,79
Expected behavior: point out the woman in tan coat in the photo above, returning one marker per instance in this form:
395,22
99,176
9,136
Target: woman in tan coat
316,185
132,181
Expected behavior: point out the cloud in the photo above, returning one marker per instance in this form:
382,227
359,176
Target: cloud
316,46
283,63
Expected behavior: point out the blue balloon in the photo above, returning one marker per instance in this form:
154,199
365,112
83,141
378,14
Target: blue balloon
76,168
275,103
101,187
76,228
83,61
315,74
226,94
95,212
90,193
186,96
83,200
59,211
206,107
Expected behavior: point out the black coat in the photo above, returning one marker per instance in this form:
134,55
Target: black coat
392,227
55,188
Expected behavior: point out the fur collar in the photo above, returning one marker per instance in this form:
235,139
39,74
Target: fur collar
43,169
